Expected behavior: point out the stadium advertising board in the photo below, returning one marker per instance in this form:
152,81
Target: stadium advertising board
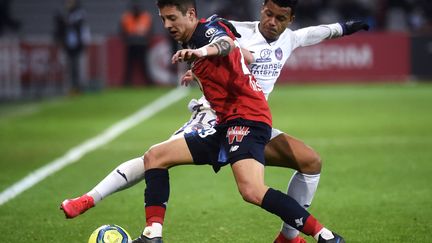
29,68
377,57
367,57
37,68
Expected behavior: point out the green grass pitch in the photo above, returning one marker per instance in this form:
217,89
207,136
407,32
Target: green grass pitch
375,141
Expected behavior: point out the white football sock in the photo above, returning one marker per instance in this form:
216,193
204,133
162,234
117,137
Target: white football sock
155,230
302,188
325,234
124,176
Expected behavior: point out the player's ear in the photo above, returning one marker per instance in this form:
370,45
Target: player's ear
191,13
292,18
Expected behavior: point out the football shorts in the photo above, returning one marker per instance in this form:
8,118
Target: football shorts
203,117
228,143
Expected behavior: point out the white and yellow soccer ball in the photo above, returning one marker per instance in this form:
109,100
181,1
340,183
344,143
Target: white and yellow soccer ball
110,234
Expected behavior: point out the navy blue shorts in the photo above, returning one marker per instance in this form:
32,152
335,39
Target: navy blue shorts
229,142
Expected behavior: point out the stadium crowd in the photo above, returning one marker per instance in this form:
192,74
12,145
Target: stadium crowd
103,21
392,15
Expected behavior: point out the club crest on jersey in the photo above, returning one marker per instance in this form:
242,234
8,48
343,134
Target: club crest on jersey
264,56
210,32
279,53
237,133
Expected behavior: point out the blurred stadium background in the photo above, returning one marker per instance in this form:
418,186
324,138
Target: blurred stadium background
363,102
32,63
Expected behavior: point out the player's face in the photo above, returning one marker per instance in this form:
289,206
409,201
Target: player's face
274,20
178,25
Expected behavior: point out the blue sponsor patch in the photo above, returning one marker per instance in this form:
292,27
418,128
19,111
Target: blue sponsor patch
264,56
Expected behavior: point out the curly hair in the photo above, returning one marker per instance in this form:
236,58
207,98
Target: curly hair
285,3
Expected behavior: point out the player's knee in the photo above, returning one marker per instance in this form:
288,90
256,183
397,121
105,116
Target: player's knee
251,195
150,158
311,165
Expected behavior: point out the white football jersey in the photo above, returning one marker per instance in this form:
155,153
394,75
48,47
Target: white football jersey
269,58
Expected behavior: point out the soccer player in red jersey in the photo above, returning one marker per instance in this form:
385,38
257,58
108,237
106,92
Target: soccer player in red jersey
242,130
272,34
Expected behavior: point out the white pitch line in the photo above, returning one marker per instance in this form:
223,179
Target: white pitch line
79,151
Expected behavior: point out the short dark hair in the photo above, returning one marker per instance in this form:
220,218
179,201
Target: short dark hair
182,5
285,3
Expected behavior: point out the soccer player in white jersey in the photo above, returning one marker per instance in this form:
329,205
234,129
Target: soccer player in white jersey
268,43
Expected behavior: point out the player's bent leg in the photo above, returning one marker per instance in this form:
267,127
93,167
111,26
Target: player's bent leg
159,158
123,176
249,176
286,151
297,217
167,154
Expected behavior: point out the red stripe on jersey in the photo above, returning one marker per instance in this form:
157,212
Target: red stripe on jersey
231,93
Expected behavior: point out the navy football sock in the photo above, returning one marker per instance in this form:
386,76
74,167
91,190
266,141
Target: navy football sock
156,194
285,207
157,190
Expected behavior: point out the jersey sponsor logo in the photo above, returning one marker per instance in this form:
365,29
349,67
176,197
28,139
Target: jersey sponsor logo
264,56
237,133
269,70
279,54
234,148
299,222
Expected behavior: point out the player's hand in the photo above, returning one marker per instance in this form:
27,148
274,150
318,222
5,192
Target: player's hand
228,24
353,26
186,55
187,78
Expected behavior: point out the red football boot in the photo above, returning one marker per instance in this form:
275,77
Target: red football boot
76,206
281,239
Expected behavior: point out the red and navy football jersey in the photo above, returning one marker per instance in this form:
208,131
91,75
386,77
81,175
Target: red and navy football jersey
226,81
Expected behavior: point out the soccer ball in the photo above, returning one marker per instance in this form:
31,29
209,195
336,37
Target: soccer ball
110,234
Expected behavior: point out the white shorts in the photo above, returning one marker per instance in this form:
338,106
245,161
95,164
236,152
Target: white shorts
203,117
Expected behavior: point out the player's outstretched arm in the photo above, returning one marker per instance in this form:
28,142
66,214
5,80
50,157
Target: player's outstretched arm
220,47
353,26
315,34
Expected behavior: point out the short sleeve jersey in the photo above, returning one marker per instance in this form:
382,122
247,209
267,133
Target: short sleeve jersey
226,81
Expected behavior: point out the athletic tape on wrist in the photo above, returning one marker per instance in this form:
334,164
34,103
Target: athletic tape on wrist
203,51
